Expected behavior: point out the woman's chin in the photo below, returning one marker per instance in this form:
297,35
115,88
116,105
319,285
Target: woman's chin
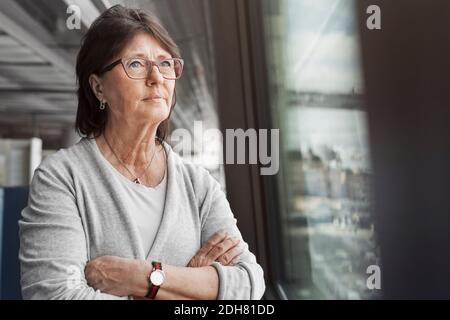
155,111
155,104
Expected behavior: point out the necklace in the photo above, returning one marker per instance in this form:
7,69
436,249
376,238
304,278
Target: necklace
136,179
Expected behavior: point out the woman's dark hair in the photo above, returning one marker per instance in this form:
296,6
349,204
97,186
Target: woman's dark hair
105,39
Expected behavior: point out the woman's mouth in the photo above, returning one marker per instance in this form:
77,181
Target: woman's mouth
153,98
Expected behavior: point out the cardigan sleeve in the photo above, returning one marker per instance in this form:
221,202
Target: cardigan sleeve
244,280
53,251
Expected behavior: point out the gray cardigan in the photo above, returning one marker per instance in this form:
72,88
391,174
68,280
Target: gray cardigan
76,212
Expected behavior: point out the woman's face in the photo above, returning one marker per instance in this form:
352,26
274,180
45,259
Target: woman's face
131,100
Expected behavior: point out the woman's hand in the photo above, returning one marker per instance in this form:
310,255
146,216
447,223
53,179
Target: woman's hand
114,275
220,247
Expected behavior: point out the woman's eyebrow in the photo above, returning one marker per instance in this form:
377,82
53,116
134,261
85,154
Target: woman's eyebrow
144,56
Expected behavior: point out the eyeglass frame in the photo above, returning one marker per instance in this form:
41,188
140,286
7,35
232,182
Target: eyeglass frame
121,61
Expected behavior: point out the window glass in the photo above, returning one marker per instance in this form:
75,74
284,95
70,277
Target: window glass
325,183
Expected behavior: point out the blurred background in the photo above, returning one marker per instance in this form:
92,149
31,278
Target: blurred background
362,114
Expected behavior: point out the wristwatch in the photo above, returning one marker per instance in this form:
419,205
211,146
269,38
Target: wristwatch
156,279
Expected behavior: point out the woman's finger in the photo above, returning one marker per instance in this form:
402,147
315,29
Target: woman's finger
222,247
200,259
230,256
215,239
234,261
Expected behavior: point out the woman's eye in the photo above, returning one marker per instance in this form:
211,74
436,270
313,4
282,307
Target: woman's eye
136,64
165,63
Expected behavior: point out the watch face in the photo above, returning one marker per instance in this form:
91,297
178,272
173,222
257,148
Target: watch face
157,277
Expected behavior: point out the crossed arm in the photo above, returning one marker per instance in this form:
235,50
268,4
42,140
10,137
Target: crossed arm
199,280
53,253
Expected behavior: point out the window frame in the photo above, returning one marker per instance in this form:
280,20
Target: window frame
243,102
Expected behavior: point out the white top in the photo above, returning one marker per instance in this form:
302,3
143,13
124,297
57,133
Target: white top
147,203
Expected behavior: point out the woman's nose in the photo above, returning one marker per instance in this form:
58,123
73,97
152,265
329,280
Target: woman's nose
154,76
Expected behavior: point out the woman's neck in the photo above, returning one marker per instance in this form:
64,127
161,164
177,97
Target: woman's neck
135,147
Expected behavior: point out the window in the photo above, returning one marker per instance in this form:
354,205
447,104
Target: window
317,101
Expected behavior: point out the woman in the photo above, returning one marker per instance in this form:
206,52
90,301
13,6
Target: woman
119,214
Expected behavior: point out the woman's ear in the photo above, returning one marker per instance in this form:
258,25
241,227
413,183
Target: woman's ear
96,85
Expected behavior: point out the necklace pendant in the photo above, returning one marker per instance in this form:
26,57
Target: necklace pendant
137,181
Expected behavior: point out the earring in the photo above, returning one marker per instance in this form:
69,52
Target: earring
102,105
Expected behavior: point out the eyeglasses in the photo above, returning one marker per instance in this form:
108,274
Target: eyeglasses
137,68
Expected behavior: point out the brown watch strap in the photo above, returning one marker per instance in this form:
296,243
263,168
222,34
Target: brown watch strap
153,290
